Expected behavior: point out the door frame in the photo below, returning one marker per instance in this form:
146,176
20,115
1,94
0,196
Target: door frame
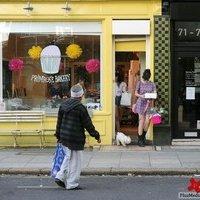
148,59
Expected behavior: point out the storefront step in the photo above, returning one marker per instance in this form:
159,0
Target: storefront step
130,148
185,142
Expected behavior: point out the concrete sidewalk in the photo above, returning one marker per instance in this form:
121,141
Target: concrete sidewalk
108,160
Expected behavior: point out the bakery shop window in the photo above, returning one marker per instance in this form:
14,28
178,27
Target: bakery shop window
39,69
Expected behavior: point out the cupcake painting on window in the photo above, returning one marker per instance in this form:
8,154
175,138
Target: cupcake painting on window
50,59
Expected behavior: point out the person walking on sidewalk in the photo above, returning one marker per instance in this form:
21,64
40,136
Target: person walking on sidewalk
73,119
143,105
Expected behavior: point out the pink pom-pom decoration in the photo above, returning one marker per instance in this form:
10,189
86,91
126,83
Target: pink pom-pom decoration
92,65
16,64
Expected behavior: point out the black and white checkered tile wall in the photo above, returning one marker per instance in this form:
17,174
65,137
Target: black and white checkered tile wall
162,62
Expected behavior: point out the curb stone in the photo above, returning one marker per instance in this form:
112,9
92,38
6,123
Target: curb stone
107,171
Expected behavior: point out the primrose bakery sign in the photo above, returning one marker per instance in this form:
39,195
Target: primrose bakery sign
50,79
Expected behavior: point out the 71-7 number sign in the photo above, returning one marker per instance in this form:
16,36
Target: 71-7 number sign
183,32
187,31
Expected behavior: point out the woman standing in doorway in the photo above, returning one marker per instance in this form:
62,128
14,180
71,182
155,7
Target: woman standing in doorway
120,87
143,105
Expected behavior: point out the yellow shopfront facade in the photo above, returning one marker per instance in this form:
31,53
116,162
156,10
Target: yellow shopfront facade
38,79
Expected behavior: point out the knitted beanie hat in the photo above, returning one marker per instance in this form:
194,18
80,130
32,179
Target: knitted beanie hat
77,91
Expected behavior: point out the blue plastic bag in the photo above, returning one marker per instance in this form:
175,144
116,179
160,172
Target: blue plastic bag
57,160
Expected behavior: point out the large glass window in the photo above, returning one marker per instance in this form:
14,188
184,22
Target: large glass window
39,66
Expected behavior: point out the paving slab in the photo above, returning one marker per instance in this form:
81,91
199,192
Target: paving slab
42,159
19,159
37,165
12,165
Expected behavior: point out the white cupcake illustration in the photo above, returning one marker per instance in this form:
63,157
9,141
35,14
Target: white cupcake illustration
50,59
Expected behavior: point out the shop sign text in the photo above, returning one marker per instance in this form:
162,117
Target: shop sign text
50,79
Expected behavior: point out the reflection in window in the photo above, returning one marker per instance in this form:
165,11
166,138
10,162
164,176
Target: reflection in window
44,82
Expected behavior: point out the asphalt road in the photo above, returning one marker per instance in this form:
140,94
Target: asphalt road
96,188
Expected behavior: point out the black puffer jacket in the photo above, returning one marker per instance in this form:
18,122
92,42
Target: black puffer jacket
73,119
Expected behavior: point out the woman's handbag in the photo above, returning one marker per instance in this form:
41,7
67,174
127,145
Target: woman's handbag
156,119
125,99
57,160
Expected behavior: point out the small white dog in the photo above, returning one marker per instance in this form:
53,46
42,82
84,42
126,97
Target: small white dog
123,139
